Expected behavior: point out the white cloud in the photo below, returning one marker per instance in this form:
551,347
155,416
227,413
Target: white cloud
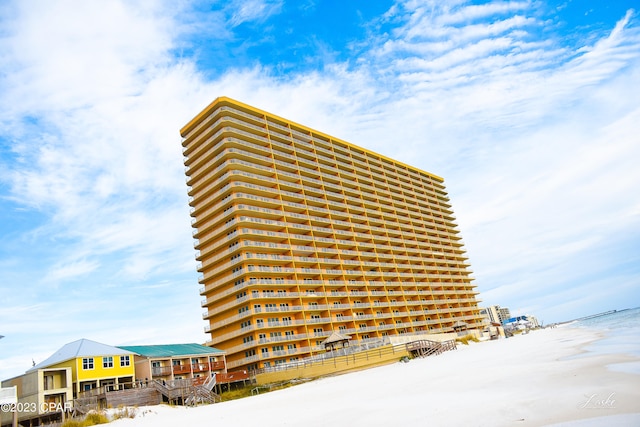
470,13
72,269
252,10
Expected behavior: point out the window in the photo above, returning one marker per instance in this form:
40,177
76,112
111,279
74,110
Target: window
87,363
125,361
48,382
271,307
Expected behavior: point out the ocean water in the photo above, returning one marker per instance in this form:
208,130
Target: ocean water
621,336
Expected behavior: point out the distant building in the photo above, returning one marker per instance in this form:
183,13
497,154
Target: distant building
490,313
300,234
495,313
503,314
534,321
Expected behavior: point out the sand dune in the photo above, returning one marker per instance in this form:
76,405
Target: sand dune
542,378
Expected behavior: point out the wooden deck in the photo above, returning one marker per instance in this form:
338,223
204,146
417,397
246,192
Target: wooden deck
181,392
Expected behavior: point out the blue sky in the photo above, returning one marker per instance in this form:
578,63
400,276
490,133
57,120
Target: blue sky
529,109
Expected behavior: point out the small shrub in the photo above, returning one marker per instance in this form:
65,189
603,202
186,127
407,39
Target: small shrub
94,418
72,423
236,394
126,412
465,339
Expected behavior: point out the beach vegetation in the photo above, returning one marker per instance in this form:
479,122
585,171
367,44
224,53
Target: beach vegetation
92,419
465,339
124,412
238,393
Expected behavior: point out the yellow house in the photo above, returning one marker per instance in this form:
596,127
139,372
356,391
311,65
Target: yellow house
92,365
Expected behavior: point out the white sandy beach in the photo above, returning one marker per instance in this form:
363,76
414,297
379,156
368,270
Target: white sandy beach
542,378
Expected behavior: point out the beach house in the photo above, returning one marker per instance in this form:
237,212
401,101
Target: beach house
48,389
176,361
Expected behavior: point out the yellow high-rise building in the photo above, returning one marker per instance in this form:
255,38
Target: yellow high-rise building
300,234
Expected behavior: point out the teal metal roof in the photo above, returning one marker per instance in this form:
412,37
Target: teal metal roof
171,350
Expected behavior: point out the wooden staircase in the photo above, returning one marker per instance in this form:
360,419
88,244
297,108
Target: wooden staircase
425,348
195,391
188,392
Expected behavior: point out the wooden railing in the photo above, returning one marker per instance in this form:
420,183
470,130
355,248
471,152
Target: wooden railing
161,371
424,348
230,377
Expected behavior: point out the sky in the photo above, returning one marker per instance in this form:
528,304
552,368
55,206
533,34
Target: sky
530,110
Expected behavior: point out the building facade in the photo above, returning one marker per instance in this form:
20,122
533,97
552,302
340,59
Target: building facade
92,364
49,388
169,362
299,234
43,394
496,314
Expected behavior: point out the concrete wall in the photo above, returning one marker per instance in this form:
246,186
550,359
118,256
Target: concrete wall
341,364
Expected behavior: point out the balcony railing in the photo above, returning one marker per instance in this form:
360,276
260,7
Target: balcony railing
164,371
